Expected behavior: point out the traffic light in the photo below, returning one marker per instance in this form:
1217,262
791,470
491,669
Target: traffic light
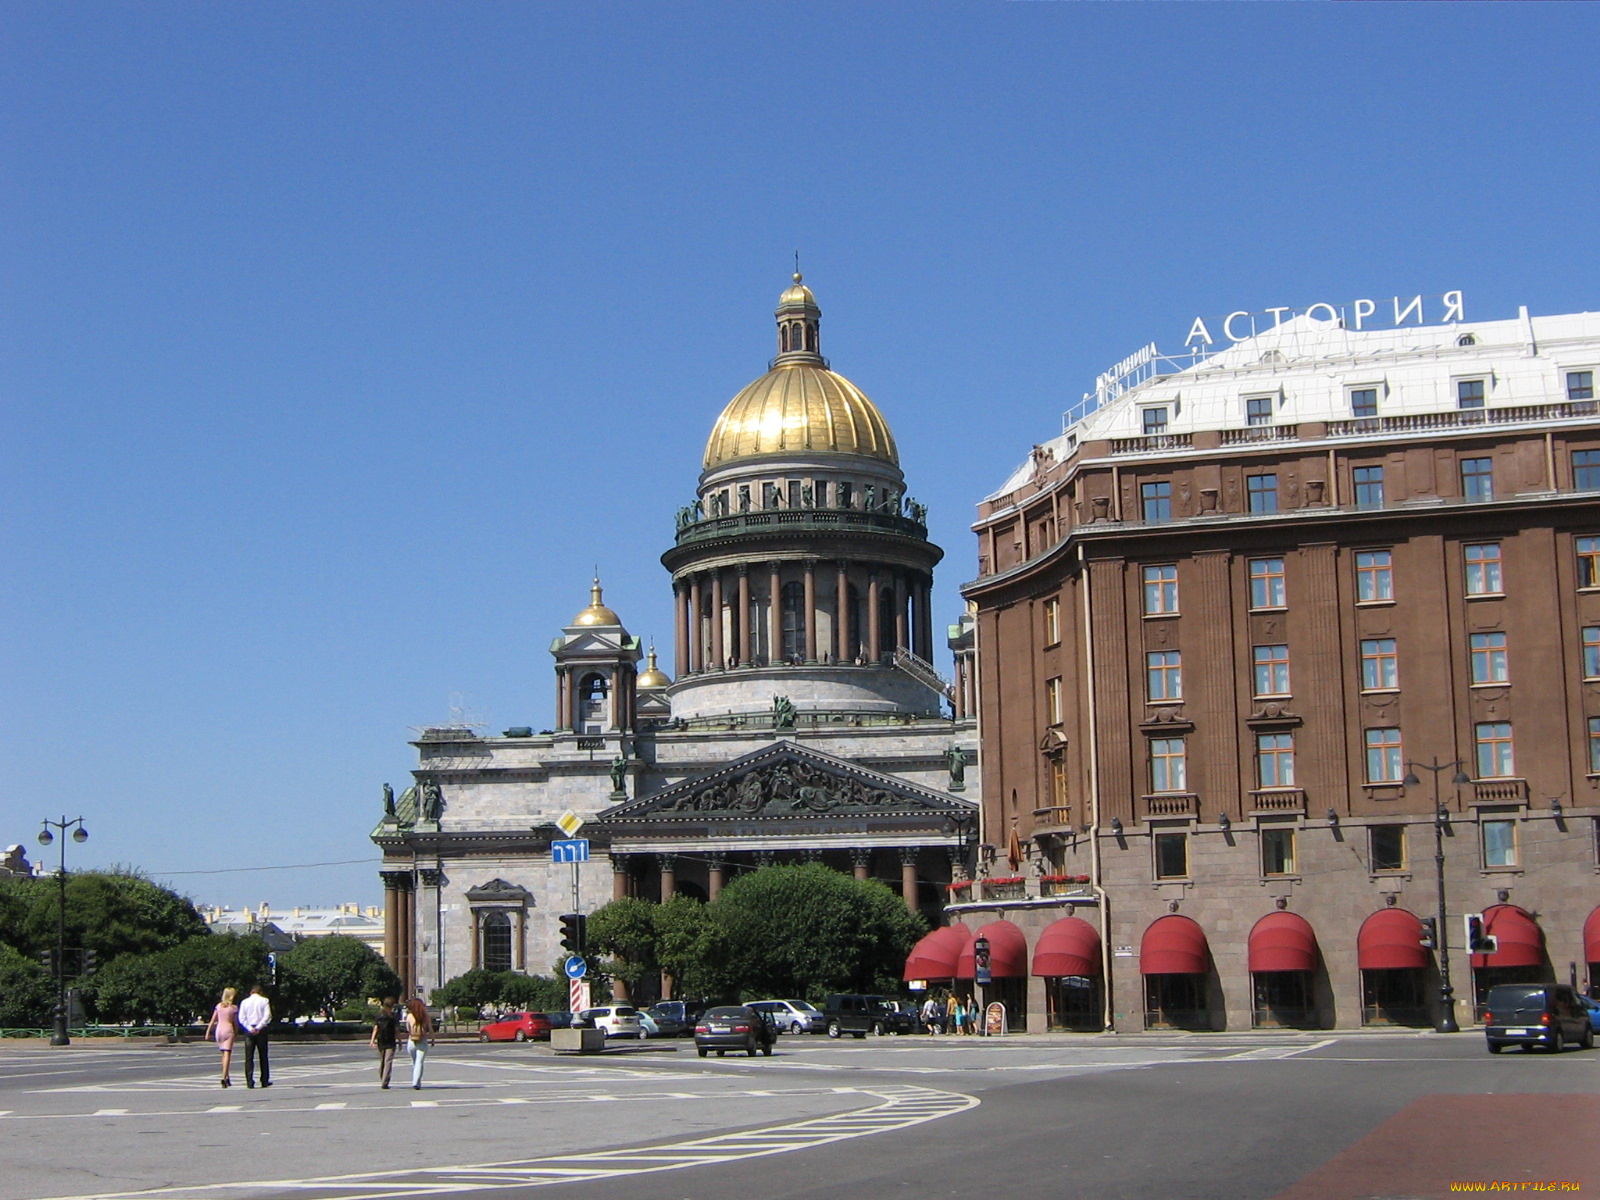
48,958
1430,933
574,931
89,962
1478,941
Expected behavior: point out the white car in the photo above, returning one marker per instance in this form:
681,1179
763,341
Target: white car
618,1020
793,1016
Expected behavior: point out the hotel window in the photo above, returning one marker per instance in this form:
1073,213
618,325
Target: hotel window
1594,745
1588,562
1384,763
1263,493
1591,651
1477,478
1387,846
1258,410
1275,759
1164,674
1155,420
1157,500
1374,576
1172,855
1489,658
1495,757
1272,670
1483,568
1052,700
1052,622
1369,487
1499,843
1586,470
1266,583
1580,385
1469,393
1058,781
1277,851
1380,665
1167,773
1363,402
1161,590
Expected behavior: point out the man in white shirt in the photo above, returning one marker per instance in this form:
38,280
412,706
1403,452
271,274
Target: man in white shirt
255,1014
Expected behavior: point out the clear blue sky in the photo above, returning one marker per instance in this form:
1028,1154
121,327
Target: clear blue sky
339,341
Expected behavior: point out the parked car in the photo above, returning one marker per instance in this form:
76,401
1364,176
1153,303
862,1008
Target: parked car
900,1016
734,1027
686,1011
1592,1007
561,1020
1536,1014
860,1015
618,1020
667,1023
792,1016
516,1027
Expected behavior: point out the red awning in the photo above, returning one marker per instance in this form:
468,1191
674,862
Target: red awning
1283,941
1008,952
936,955
1390,940
1070,946
1591,937
1521,941
1174,946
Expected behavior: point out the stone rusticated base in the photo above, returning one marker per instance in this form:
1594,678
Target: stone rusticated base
577,1041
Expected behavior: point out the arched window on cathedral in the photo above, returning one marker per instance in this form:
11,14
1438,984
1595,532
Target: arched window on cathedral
794,621
886,610
854,640
495,930
592,704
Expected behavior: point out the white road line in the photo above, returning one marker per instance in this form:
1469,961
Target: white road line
332,1105
900,1106
110,1112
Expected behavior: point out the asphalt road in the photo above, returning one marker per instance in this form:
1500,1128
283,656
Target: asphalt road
1275,1117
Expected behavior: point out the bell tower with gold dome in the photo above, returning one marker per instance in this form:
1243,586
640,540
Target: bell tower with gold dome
802,569
597,664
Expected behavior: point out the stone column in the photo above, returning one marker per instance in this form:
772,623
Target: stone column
841,608
874,646
861,862
392,896
742,617
811,612
717,872
923,620
900,642
696,627
681,602
774,614
669,875
619,876
718,650
564,700
477,938
429,882
908,876
519,930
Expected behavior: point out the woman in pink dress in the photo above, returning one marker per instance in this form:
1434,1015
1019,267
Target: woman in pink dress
225,1020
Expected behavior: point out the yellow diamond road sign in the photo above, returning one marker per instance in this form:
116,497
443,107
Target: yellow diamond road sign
569,823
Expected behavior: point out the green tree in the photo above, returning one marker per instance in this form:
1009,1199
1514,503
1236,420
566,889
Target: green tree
27,992
692,947
806,930
110,912
323,974
622,939
177,985
502,989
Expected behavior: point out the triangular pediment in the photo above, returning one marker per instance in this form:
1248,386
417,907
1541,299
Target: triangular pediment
498,889
787,781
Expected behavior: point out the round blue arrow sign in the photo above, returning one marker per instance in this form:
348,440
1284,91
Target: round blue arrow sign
576,968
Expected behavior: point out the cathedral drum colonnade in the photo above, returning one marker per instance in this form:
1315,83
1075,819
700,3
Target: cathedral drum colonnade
806,722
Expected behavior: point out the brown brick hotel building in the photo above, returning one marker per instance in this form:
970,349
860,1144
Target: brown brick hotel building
1240,625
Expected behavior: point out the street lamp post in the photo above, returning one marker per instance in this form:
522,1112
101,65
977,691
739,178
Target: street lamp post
1446,1020
80,835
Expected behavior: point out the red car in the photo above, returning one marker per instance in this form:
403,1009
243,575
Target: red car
517,1027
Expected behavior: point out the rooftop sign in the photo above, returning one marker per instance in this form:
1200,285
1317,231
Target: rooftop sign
1357,314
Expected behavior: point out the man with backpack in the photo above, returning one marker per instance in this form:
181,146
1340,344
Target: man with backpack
385,1037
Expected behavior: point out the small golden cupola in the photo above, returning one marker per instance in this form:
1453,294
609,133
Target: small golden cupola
597,613
653,676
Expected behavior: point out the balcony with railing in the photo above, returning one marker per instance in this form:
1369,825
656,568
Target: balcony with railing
1171,804
1278,800
1500,791
802,520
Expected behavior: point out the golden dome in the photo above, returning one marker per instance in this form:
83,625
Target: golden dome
597,613
653,676
800,407
798,294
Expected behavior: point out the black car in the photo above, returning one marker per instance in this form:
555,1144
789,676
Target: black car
860,1015
734,1027
667,1021
1536,1014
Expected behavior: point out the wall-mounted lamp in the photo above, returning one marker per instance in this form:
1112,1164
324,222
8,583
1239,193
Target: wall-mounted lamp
1555,806
1226,822
1333,818
1116,826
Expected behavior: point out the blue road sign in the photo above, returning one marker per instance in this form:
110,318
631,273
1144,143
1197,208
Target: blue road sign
983,975
576,968
569,850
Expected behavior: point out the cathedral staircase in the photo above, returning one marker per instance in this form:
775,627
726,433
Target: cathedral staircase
922,671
